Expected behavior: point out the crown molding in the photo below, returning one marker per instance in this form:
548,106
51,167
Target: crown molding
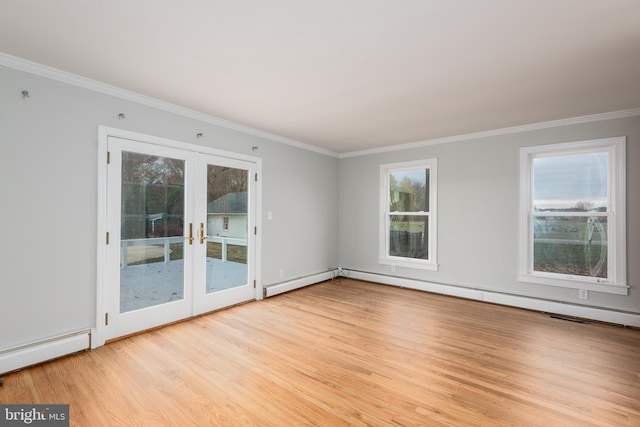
497,132
104,88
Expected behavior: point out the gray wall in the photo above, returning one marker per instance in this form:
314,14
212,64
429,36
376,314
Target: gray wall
478,204
48,158
322,207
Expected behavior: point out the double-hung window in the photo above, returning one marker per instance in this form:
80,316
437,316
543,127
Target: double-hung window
408,214
572,224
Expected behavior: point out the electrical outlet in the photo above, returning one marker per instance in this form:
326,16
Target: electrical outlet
281,274
583,294
393,268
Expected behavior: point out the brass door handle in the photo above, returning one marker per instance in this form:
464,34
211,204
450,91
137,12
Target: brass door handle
203,236
190,237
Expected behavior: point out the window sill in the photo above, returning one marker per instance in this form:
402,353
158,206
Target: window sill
409,263
575,283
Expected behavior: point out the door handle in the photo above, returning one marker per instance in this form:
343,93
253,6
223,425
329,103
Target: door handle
190,237
203,236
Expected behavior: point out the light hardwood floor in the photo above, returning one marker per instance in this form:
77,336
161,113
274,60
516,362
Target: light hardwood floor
351,353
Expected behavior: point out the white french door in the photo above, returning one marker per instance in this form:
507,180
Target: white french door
181,236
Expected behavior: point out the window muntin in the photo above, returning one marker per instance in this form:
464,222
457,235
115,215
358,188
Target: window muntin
408,220
572,227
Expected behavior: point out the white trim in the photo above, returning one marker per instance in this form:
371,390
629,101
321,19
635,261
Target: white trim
420,264
587,284
104,88
259,292
101,257
529,303
40,351
497,132
300,282
106,131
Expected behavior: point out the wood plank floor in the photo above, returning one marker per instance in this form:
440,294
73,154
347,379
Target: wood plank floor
351,353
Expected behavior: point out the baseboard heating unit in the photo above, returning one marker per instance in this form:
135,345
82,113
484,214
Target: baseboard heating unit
529,303
300,282
32,353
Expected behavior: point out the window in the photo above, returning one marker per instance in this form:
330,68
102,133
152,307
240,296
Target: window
408,214
572,225
225,223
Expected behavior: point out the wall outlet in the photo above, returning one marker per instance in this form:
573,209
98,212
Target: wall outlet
583,294
281,274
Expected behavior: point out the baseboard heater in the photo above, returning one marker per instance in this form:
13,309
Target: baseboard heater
279,288
18,357
529,303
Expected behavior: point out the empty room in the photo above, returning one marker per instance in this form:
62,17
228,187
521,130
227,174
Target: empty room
285,213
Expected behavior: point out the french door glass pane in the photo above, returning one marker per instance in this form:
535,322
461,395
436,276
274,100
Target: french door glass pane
151,236
574,245
227,227
408,236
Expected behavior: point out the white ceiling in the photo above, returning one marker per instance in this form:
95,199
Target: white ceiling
347,75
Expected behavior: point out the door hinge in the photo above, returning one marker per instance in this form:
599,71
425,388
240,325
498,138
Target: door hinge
254,284
255,230
108,157
256,177
107,238
106,319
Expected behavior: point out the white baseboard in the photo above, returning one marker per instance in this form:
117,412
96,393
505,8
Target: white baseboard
300,282
19,357
566,309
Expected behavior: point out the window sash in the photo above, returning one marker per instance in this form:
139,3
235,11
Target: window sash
571,245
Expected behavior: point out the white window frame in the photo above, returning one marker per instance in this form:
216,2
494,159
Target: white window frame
384,223
615,283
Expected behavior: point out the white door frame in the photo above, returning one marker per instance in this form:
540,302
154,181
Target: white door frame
104,133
